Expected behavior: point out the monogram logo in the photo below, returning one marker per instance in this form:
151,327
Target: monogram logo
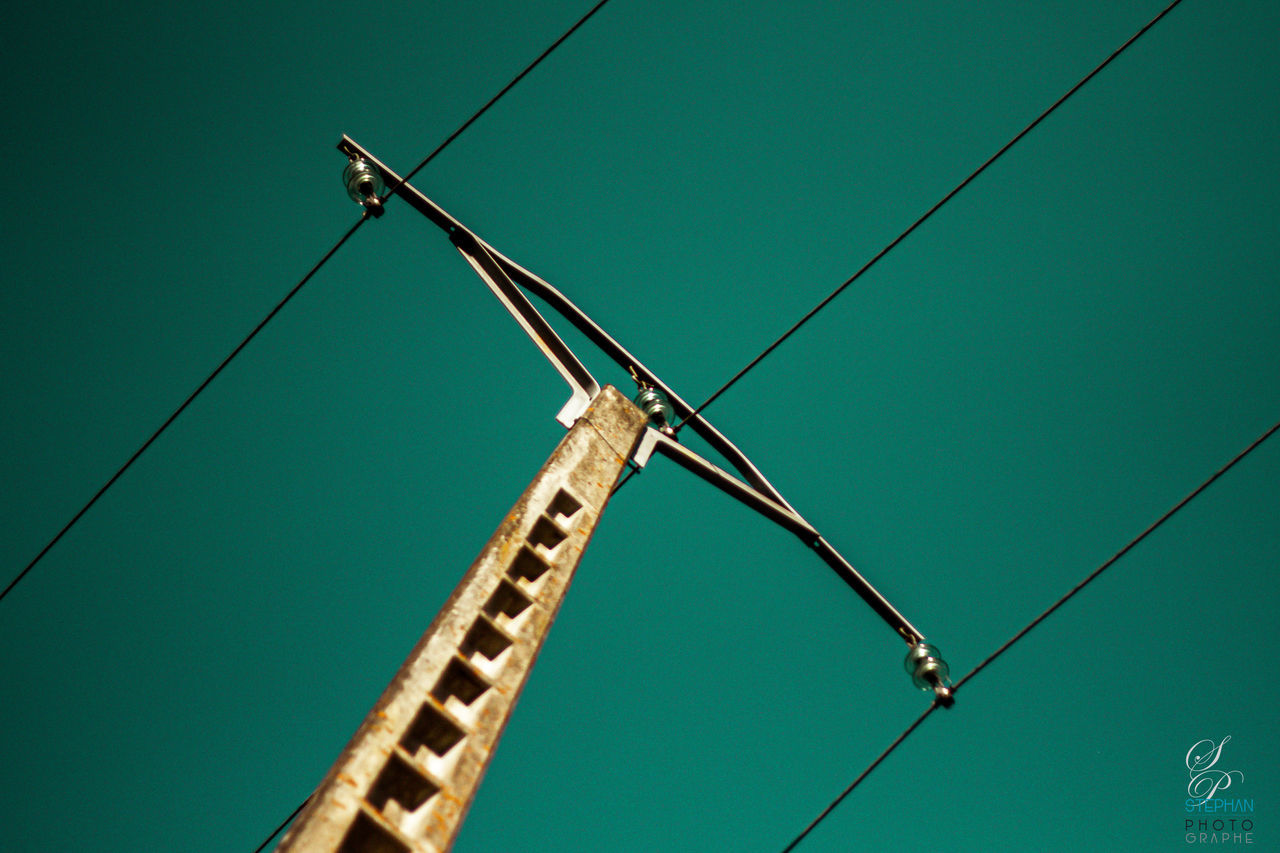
1206,777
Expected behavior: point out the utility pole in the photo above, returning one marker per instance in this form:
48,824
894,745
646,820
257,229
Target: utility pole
406,779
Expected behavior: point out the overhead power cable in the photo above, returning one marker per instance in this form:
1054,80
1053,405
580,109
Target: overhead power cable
185,403
1143,535
283,824
928,213
618,487
494,99
1033,623
289,296
856,782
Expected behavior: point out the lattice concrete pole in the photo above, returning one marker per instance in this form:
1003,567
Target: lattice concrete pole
406,779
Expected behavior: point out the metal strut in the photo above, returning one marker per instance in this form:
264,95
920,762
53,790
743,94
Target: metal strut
505,277
580,380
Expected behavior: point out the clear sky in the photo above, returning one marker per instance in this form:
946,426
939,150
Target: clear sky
1069,347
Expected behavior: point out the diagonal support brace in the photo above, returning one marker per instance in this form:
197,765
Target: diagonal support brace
581,382
782,515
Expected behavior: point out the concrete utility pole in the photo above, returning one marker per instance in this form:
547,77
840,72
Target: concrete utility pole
406,779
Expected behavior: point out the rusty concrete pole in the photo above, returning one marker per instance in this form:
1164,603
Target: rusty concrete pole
406,779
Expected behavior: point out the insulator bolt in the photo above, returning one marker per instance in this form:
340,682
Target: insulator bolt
654,404
929,671
364,184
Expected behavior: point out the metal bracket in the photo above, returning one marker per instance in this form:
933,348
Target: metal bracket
505,277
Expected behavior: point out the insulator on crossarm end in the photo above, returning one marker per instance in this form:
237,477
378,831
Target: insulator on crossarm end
364,185
929,671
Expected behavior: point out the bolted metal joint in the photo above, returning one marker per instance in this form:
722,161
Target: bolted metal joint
364,185
929,671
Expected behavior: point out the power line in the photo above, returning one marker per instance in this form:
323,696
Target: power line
494,99
856,782
187,402
1143,535
1033,623
928,213
630,473
289,296
283,824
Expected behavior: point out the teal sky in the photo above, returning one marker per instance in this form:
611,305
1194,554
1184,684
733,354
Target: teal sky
1033,377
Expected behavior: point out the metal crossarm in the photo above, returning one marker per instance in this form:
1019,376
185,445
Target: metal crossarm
505,277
